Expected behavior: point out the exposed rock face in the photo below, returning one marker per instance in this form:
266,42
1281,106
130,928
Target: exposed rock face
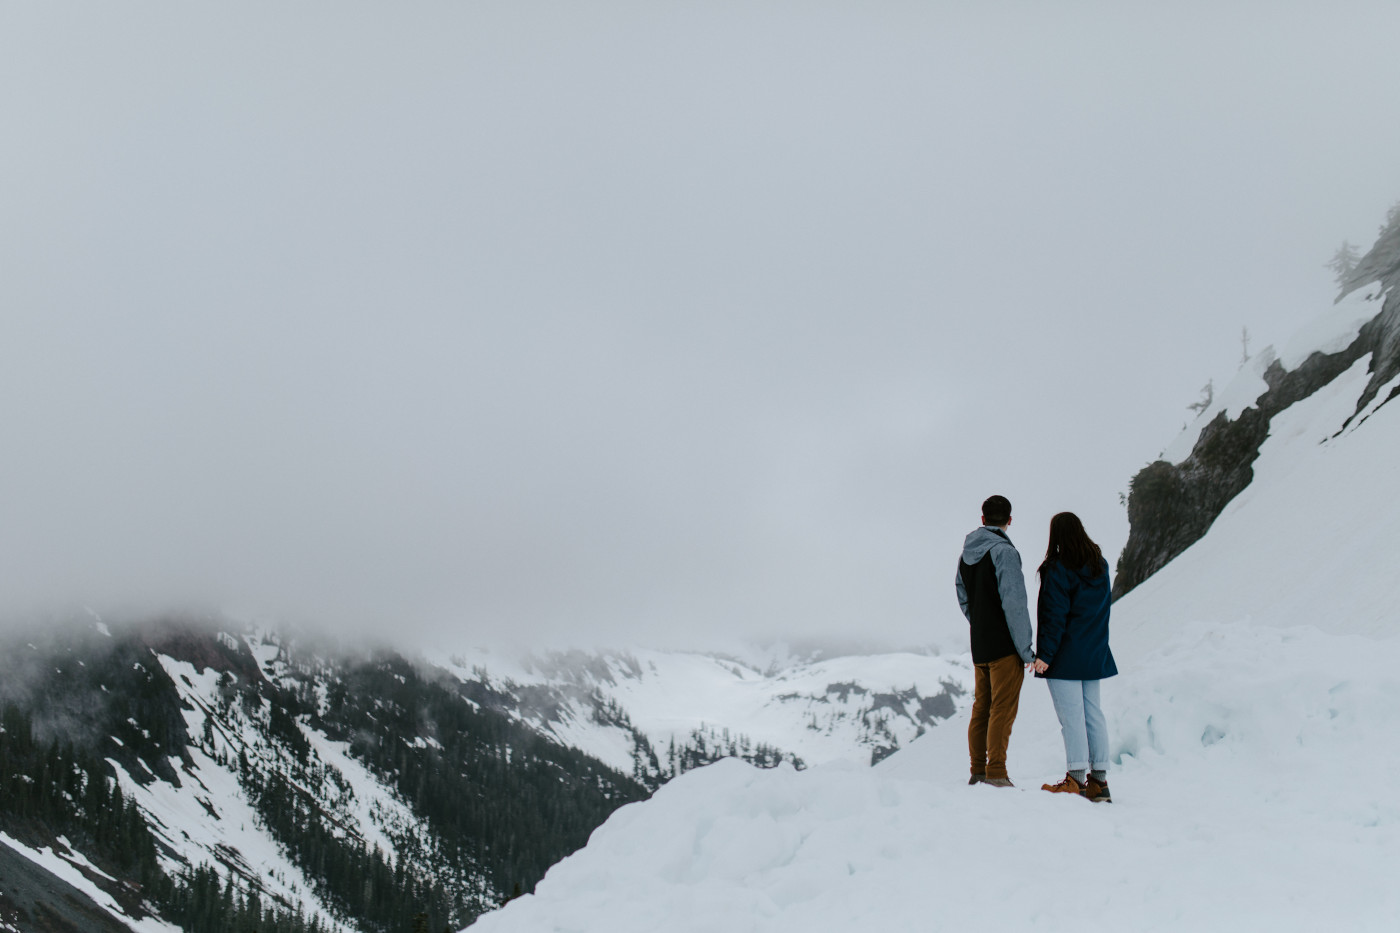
32,898
1171,506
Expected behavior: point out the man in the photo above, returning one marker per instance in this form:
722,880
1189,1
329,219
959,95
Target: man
992,594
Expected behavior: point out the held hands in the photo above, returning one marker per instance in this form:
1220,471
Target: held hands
1039,666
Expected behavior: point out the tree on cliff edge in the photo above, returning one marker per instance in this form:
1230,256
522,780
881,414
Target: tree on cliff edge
1344,261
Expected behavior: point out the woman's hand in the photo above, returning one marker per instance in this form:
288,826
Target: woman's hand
1040,666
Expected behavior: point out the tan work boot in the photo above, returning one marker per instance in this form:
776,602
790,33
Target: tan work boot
1068,786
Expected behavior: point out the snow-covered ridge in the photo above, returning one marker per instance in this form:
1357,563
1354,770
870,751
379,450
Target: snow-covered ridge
1176,499
1330,332
855,708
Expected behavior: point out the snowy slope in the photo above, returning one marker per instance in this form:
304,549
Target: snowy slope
1230,815
203,816
1253,729
208,818
1313,540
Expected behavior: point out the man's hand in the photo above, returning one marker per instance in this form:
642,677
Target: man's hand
1040,666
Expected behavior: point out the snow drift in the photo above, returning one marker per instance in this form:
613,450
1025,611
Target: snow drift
1246,801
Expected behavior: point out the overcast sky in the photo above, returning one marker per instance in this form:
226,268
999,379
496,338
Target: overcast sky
637,323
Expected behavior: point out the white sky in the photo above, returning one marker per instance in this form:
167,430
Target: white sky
637,322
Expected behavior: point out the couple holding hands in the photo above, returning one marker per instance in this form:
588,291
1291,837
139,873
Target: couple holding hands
1071,653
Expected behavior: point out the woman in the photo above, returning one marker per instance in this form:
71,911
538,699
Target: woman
1072,652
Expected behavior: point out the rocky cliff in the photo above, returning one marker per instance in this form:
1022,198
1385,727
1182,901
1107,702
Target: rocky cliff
1172,504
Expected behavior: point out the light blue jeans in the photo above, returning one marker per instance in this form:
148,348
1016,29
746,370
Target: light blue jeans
1081,723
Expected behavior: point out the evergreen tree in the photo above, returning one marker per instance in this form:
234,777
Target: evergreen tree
1207,396
1344,260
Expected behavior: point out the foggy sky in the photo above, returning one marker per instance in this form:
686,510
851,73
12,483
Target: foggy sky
637,322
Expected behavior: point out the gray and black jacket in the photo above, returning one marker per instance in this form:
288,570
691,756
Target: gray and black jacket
992,594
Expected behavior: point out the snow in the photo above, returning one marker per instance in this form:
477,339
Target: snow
97,622
1252,730
76,870
208,819
678,691
1240,393
81,860
1381,397
181,820
1251,793
367,807
1334,329
667,694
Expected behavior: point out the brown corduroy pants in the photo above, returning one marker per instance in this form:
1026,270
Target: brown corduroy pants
995,699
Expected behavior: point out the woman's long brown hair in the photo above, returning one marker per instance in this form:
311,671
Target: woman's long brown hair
1071,545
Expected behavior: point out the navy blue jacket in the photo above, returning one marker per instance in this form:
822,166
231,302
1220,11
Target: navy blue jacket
1072,623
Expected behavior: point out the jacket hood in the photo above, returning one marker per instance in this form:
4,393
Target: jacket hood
980,541
1087,574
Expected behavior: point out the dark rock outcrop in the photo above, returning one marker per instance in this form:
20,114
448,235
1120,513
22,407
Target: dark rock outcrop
1381,265
32,898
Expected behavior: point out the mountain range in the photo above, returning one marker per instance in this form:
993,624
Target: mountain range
330,789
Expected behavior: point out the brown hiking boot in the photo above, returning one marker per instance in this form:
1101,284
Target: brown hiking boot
1097,792
999,782
1068,786
976,779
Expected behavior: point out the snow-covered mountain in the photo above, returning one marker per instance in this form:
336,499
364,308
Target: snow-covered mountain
624,707
303,776
1253,722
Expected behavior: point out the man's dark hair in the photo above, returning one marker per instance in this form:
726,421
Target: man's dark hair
996,510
